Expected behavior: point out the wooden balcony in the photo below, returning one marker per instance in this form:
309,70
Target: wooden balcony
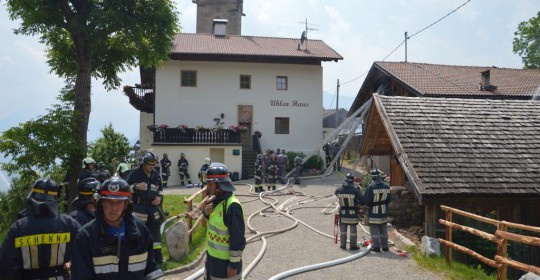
193,136
141,97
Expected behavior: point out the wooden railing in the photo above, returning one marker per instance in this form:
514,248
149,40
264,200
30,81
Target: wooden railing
189,218
500,237
194,136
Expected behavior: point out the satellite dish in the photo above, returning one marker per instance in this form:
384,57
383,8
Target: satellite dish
303,37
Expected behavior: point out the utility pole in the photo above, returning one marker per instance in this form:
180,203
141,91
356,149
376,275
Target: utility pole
406,37
337,107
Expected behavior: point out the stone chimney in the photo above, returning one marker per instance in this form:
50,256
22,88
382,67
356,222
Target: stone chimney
209,10
485,82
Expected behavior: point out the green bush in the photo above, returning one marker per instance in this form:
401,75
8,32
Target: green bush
314,161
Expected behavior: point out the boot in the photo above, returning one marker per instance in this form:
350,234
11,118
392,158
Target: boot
269,187
273,188
257,190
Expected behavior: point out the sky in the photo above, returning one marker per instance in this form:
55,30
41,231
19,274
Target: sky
478,34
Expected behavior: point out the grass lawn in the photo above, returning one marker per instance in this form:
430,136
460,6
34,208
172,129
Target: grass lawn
457,271
175,205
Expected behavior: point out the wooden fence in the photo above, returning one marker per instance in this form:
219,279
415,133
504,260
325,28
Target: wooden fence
500,238
189,218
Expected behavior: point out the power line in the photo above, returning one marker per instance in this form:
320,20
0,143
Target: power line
400,44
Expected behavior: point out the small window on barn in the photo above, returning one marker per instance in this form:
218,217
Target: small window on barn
245,82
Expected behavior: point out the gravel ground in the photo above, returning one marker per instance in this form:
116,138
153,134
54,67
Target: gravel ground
302,246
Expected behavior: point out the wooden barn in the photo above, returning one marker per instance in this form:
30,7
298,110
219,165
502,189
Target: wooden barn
478,155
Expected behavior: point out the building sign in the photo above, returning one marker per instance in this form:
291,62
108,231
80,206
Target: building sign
294,103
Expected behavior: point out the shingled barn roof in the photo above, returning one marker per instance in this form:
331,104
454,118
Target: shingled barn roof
445,80
435,80
451,146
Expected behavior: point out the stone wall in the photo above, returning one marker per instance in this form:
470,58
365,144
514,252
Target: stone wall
404,209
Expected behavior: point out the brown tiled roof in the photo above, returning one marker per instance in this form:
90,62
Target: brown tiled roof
436,80
466,146
250,46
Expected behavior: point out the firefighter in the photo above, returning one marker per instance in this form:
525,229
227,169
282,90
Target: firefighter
335,152
183,169
297,168
147,190
273,170
83,204
102,173
88,165
350,199
328,154
39,243
165,169
226,228
377,198
202,172
266,162
115,245
283,163
123,170
259,173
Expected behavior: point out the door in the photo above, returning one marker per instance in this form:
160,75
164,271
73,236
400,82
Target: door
245,118
245,137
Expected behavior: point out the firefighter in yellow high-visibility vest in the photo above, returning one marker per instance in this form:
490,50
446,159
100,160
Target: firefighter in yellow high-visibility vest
226,227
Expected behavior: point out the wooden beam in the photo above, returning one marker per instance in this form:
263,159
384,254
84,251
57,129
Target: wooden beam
529,240
518,265
470,252
471,230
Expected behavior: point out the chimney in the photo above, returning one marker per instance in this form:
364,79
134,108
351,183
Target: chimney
485,83
220,27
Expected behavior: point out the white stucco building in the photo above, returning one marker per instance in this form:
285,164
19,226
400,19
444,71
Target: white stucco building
267,85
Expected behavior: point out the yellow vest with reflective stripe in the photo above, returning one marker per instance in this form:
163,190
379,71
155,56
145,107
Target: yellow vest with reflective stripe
217,234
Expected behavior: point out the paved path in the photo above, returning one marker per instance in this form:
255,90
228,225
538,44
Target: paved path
302,246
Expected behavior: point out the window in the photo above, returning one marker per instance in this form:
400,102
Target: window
281,83
189,78
245,82
282,125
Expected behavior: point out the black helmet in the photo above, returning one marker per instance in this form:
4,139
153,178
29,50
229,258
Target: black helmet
165,155
376,175
149,158
101,165
259,156
349,177
114,188
218,172
86,187
87,161
42,197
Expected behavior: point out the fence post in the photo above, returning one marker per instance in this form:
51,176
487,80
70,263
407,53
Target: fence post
448,249
189,218
502,249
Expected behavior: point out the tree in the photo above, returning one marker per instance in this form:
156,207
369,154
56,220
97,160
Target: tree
40,144
527,42
112,147
97,39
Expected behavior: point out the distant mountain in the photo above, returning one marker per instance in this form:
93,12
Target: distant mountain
329,101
